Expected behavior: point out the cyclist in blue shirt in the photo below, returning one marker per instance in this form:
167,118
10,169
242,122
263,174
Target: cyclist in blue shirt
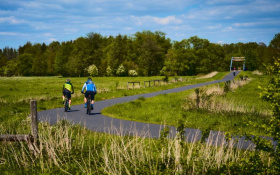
90,88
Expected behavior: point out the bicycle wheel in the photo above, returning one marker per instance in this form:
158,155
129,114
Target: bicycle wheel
66,105
88,106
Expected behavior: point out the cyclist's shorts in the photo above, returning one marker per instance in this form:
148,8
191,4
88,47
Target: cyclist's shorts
91,93
67,93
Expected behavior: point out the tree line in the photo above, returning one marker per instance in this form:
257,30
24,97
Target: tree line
145,53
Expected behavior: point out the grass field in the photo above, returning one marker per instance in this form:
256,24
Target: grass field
230,112
16,92
71,149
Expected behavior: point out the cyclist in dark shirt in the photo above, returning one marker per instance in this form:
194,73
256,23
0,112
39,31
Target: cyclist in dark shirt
67,90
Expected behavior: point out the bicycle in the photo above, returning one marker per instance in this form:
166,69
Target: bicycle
88,104
66,104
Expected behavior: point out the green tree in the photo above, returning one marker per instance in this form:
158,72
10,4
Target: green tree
96,45
273,50
25,64
197,43
261,56
217,58
180,62
176,62
9,53
92,70
3,60
204,64
109,72
39,66
121,71
271,93
198,57
11,68
62,58
50,53
132,73
275,45
80,57
170,67
151,49
119,51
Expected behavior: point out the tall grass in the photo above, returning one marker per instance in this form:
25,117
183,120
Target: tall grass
214,100
69,149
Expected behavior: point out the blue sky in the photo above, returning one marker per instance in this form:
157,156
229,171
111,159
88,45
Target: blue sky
219,21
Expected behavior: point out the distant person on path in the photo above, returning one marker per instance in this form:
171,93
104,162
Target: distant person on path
67,90
234,71
90,88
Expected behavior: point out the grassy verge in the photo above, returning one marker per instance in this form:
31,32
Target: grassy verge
229,111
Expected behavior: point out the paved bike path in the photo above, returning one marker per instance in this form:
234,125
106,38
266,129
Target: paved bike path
100,123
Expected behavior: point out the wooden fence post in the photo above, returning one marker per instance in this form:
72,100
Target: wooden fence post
33,115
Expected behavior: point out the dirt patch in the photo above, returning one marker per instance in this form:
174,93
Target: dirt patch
212,74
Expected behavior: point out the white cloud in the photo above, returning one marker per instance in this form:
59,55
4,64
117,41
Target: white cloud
11,20
242,39
39,5
9,33
16,34
48,34
223,1
52,39
151,20
71,30
266,6
244,24
215,27
128,28
220,42
40,26
228,29
265,22
66,19
167,20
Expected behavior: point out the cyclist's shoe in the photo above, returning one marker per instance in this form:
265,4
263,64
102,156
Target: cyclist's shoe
91,106
85,105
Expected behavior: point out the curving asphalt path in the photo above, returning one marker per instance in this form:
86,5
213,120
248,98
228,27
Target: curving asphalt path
100,123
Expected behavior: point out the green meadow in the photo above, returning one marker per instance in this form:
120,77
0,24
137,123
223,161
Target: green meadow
234,111
72,149
16,92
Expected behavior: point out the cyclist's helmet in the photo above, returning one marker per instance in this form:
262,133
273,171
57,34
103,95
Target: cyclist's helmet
68,80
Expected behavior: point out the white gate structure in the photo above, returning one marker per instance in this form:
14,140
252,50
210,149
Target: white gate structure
237,59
